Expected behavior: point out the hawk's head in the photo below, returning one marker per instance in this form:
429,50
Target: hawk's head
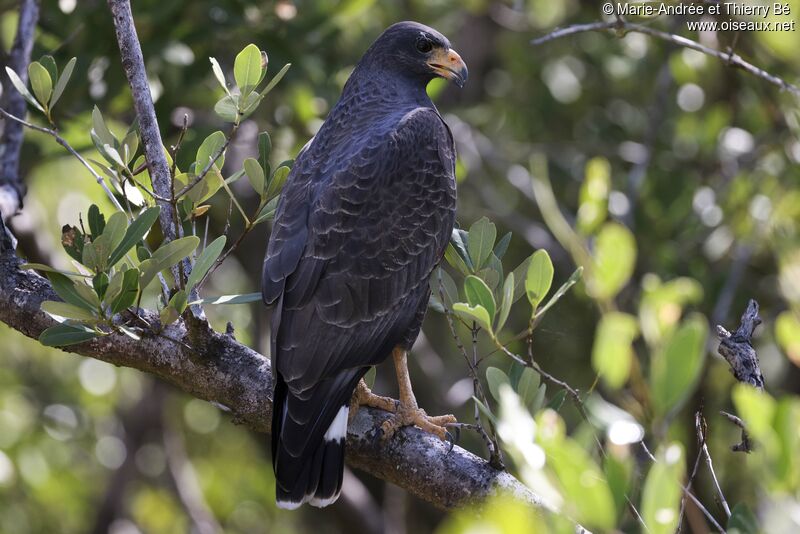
414,50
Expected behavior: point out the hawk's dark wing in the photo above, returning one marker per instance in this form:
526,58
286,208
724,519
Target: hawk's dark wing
349,259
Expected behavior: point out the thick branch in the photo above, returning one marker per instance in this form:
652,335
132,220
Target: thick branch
12,189
133,63
217,368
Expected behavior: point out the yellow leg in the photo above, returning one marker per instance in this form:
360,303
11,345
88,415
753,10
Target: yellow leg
407,411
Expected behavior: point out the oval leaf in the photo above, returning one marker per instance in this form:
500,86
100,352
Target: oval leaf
205,261
41,82
479,294
247,68
539,277
61,335
474,313
480,241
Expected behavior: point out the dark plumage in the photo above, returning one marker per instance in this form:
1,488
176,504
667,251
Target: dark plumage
364,217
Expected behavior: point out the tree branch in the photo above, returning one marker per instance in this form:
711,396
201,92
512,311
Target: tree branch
622,26
217,368
133,64
12,188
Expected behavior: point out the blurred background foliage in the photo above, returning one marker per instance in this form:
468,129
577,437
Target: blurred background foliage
670,177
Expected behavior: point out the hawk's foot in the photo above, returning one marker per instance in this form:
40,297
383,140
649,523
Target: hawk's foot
410,414
363,396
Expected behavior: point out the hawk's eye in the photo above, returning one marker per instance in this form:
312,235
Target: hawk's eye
424,45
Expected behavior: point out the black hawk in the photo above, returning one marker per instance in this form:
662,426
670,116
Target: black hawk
364,217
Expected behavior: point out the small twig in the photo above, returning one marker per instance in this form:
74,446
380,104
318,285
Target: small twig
746,445
689,488
700,427
177,146
61,141
729,58
687,492
737,348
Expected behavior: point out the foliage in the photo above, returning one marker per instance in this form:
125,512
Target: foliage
666,182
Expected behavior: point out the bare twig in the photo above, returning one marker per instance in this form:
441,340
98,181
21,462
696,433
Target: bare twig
737,348
12,188
728,57
746,445
687,492
700,427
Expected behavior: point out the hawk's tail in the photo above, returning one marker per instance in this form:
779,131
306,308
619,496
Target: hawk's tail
308,441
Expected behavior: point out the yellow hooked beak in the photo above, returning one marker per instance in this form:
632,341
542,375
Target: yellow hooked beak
448,64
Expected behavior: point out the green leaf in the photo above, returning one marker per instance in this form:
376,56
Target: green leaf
502,246
587,496
128,293
268,211
787,334
205,261
97,221
61,335
230,299
508,300
558,400
675,370
50,64
614,260
100,284
115,230
594,195
571,281
529,390
227,108
171,253
440,276
539,277
179,301
218,74
612,353
480,241
68,311
479,294
474,313
20,87
61,84
454,259
69,292
47,269
264,151
742,520
255,174
369,378
41,83
101,130
211,148
274,81
168,315
277,181
661,495
247,68
248,104
135,233
494,378
520,275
